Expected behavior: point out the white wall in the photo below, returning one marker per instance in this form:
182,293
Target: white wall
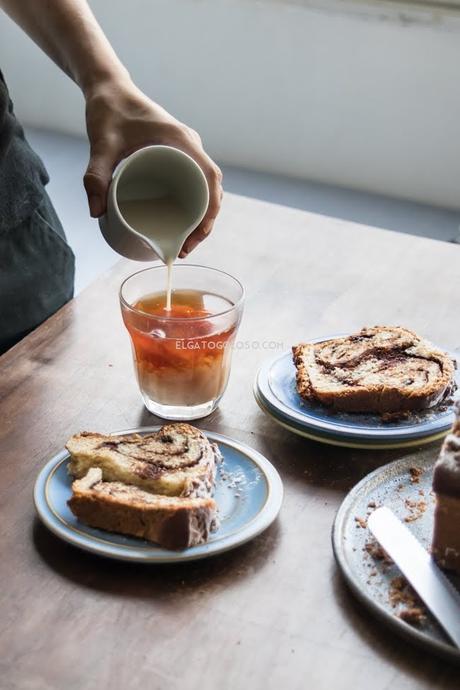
357,98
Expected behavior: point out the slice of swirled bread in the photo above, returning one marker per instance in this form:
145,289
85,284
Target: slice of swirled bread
174,522
379,369
177,460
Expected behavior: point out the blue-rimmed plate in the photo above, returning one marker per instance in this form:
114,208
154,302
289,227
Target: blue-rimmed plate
249,493
342,441
275,387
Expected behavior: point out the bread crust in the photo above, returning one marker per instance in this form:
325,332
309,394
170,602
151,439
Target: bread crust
172,522
380,369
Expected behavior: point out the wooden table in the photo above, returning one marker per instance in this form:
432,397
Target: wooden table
273,613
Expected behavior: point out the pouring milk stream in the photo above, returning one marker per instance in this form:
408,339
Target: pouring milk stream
162,222
157,197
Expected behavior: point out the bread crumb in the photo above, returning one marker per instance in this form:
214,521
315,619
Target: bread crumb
377,552
413,615
416,509
360,522
401,594
395,416
415,474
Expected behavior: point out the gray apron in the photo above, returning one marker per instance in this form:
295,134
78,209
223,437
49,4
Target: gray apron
36,264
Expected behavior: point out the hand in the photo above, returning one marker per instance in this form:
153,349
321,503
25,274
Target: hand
121,119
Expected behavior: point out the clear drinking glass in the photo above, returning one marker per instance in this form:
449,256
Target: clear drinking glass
182,358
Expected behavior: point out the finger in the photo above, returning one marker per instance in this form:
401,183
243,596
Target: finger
185,251
96,181
197,236
214,178
205,227
215,200
190,244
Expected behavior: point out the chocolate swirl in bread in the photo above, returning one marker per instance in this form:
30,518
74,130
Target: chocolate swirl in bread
379,369
164,450
177,460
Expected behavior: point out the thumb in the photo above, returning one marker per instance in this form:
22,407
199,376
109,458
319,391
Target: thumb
96,182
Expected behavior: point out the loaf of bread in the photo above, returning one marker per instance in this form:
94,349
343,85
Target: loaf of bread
380,369
178,460
446,485
173,522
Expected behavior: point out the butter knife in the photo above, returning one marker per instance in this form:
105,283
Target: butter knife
419,568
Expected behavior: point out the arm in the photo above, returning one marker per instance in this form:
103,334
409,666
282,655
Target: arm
119,117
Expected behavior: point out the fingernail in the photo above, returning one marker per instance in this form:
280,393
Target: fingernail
182,254
95,205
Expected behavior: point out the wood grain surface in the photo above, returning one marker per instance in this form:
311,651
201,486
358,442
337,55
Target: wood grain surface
275,612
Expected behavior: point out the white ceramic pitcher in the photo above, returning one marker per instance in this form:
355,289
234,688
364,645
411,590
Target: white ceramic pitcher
154,172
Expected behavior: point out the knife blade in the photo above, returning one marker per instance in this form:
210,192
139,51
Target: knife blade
419,568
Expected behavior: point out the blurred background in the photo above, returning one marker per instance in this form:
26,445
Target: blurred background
349,108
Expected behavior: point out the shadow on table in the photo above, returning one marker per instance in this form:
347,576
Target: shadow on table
303,464
138,580
147,419
435,671
330,467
